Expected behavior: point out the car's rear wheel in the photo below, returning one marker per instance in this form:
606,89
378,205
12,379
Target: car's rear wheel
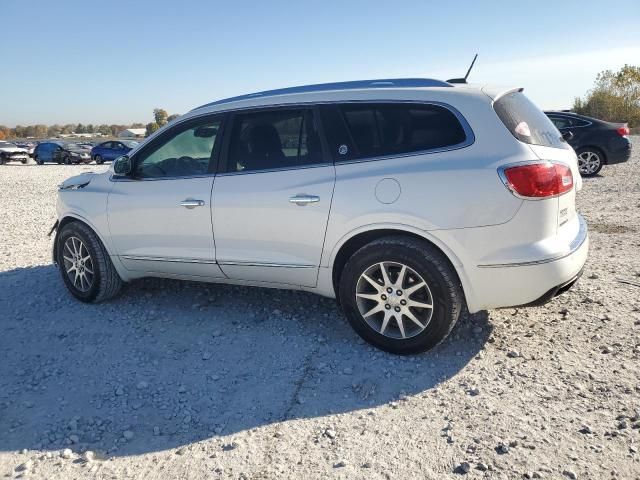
2,159
99,160
23,161
67,160
85,265
401,294
38,160
590,161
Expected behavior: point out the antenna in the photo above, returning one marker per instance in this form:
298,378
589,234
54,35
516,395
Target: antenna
464,80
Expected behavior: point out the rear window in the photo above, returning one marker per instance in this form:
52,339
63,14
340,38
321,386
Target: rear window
526,122
380,129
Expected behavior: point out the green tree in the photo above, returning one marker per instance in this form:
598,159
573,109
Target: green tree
160,116
615,97
171,118
152,127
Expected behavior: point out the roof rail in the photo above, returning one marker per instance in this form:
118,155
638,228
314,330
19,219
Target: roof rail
325,87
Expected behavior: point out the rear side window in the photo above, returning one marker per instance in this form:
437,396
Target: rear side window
526,122
372,130
273,139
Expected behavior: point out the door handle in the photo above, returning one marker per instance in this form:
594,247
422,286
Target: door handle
302,199
191,203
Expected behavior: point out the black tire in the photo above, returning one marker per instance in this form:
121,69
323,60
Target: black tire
426,261
2,160
98,159
106,283
593,151
66,160
38,161
23,161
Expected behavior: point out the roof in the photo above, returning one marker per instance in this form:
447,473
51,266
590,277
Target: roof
326,87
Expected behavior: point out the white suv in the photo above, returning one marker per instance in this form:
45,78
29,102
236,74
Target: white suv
407,200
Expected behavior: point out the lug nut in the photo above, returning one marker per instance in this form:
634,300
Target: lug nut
397,309
389,290
383,296
403,302
387,306
399,292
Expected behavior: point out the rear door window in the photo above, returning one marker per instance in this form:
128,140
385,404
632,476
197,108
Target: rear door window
277,138
385,129
526,122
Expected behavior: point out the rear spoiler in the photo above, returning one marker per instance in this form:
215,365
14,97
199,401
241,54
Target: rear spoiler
494,93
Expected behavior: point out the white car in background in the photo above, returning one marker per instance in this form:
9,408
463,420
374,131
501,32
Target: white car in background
10,152
407,200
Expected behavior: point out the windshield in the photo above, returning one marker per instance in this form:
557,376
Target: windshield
72,146
7,145
526,122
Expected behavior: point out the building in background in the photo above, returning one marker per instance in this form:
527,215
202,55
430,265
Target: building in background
132,133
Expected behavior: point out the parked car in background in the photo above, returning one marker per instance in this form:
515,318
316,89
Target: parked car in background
29,147
596,142
108,151
60,152
10,152
409,200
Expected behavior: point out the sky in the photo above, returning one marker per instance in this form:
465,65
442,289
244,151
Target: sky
87,61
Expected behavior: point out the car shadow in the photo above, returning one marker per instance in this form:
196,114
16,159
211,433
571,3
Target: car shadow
169,363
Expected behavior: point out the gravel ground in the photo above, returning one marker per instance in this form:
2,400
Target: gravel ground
185,380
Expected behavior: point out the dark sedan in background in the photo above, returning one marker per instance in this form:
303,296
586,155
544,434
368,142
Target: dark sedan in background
60,152
111,150
596,142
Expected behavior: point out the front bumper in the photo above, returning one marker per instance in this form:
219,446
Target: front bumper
534,282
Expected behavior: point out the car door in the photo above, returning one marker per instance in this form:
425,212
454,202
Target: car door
118,149
160,215
271,200
105,151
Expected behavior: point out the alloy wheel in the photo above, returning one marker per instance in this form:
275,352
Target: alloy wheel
588,162
394,300
78,264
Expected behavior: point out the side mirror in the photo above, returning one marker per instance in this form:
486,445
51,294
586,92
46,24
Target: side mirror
122,166
566,136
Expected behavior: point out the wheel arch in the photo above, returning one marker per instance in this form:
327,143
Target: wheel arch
69,218
596,148
355,240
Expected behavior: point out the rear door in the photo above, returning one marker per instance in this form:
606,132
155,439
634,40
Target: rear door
272,198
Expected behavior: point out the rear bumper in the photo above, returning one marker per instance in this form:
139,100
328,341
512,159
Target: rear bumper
530,283
618,151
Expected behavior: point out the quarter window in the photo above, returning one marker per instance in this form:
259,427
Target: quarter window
397,128
187,153
273,139
561,122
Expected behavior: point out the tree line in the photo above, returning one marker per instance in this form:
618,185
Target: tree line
615,97
160,118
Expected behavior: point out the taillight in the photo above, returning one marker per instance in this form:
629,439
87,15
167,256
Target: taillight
538,180
623,130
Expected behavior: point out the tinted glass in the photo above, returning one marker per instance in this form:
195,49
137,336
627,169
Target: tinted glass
526,122
186,153
397,128
561,122
273,139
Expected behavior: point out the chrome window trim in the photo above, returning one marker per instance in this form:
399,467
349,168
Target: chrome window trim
575,244
118,178
214,262
469,136
570,118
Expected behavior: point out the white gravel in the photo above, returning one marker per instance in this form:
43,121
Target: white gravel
186,380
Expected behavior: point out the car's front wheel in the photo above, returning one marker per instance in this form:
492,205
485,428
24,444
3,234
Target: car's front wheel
590,161
99,160
401,294
38,160
66,160
85,265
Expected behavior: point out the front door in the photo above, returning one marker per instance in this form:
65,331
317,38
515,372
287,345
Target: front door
160,217
271,202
